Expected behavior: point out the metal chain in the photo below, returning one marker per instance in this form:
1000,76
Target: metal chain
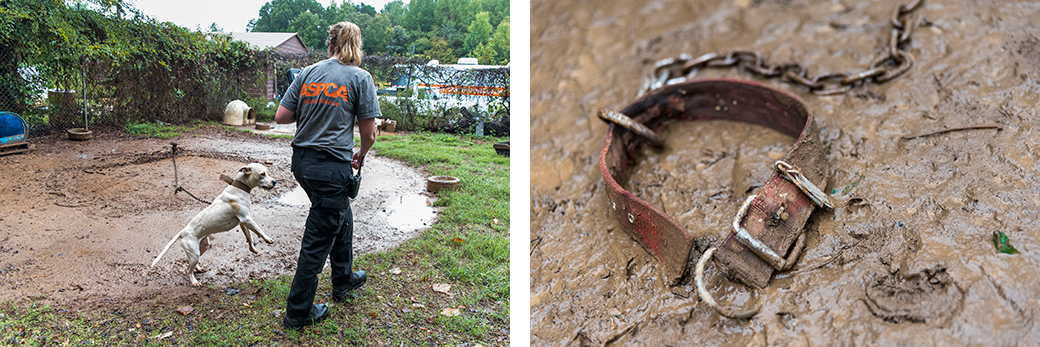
897,62
173,151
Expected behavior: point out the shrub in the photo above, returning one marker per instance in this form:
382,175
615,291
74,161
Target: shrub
265,109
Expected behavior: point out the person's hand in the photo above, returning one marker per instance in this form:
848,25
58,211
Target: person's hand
359,161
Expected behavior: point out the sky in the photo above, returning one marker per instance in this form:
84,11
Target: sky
230,15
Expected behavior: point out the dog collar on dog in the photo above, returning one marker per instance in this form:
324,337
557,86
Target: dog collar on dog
235,183
768,223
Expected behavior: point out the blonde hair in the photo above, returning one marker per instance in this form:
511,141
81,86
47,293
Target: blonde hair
345,43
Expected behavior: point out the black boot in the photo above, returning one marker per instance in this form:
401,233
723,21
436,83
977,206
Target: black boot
357,279
318,313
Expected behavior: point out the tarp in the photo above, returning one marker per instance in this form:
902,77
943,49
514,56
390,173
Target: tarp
12,128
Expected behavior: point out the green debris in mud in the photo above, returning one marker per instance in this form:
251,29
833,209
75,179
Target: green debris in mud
1003,243
848,188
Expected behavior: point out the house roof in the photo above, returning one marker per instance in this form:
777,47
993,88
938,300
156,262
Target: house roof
268,40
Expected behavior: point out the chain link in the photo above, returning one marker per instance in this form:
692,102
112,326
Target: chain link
173,151
897,62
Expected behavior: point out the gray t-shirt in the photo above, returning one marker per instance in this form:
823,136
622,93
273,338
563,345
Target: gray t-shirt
327,98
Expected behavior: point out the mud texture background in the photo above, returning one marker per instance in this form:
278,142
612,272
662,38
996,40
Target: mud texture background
907,256
81,221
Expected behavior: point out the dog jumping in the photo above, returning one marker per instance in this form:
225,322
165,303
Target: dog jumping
230,208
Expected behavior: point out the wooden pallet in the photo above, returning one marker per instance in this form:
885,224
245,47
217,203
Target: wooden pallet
13,148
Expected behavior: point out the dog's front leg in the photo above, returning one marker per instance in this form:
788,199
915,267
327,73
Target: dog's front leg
249,239
249,223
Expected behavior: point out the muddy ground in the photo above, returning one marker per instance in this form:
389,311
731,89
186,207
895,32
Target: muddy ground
905,259
81,221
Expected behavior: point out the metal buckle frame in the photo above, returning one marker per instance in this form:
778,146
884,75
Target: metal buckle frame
758,247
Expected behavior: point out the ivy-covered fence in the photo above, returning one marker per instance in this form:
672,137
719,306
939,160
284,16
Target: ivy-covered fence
63,65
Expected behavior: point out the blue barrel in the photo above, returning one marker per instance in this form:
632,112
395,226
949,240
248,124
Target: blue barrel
12,128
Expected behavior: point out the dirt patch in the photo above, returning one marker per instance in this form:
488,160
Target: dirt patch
84,219
906,208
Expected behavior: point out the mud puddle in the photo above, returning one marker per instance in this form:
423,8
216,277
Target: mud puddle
907,256
84,219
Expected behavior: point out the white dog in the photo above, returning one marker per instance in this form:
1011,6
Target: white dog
229,209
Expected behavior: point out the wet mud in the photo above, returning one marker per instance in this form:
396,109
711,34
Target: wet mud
906,258
83,220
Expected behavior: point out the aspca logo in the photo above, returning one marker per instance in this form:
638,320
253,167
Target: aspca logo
312,93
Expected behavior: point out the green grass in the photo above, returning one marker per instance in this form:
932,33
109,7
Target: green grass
484,174
166,131
397,306
159,130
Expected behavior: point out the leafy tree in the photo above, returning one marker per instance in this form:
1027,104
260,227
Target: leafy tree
214,28
395,11
451,31
463,25
420,45
441,50
377,35
479,31
484,54
310,29
361,19
473,7
421,16
278,15
347,12
498,9
455,36
334,13
500,42
453,11
399,44
366,9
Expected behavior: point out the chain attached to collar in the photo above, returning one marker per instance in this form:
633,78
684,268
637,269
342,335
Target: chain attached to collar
176,183
895,63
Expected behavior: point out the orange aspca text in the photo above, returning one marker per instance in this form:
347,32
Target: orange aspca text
330,89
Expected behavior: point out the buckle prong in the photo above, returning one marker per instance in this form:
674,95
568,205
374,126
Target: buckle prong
630,124
814,193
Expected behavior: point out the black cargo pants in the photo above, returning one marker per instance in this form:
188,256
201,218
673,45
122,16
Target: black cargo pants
329,231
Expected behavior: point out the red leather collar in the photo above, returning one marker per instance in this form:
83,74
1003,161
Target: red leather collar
718,99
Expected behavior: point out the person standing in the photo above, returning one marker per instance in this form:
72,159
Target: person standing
325,101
